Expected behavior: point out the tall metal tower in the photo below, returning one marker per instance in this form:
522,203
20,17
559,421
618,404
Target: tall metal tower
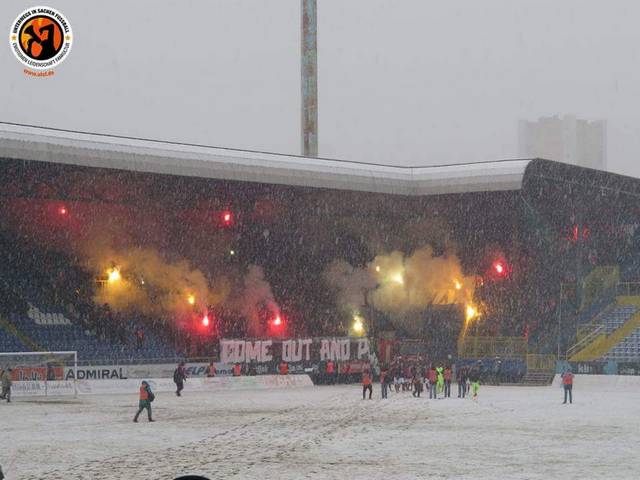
309,70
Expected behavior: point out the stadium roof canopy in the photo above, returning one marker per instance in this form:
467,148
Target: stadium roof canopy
109,151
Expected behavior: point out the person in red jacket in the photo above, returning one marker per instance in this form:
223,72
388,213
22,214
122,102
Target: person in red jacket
567,383
237,370
433,380
146,397
284,368
366,384
447,382
331,371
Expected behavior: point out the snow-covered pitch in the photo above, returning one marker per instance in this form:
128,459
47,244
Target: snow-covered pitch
326,433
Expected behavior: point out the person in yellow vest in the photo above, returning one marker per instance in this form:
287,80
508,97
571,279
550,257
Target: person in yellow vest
146,397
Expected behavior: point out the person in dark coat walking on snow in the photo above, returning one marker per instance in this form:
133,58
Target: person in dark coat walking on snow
6,382
179,377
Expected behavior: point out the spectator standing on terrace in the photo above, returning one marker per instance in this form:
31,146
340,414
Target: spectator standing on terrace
179,377
366,384
6,382
139,333
567,383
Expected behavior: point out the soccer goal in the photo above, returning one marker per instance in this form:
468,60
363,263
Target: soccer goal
41,374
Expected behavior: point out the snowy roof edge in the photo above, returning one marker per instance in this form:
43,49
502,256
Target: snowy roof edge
94,150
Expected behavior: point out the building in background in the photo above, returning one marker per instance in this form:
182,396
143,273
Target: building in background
565,139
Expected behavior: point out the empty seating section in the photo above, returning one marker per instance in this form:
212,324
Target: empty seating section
55,332
10,343
627,350
618,317
42,318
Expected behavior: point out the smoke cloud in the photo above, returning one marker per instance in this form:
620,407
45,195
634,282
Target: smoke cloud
401,285
414,282
351,284
148,283
257,296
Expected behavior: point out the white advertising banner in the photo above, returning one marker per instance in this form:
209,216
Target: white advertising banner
158,385
161,370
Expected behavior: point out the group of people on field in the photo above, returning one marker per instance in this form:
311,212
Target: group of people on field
399,376
412,377
436,379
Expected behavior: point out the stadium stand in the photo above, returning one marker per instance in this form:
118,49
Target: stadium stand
64,336
628,350
617,317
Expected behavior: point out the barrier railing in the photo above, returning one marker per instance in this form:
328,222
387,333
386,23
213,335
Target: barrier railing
489,347
628,289
541,363
585,340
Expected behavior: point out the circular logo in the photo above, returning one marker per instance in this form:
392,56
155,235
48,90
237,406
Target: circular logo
40,37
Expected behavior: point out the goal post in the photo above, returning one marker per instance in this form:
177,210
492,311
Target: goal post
42,373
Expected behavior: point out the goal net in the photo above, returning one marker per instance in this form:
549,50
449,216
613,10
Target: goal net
41,374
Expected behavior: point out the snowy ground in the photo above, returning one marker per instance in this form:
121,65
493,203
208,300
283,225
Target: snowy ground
327,432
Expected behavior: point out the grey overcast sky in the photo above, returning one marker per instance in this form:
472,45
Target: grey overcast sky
404,82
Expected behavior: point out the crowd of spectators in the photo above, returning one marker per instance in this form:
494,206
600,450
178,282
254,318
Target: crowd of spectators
545,234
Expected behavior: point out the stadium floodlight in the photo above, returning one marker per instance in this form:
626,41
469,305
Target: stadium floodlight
42,374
